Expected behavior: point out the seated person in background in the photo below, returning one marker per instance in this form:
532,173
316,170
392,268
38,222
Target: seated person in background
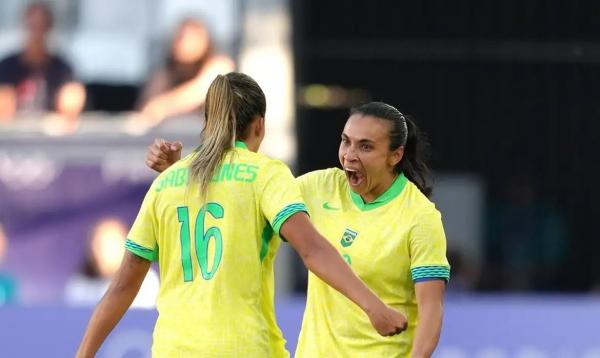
106,249
34,80
8,285
180,85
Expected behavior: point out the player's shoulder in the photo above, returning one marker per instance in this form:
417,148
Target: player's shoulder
420,204
266,165
183,163
323,177
262,169
174,176
248,155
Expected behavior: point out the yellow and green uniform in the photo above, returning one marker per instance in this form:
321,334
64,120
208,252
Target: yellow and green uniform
276,340
390,243
214,255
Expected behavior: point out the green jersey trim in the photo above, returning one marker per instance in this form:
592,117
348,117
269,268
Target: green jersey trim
423,273
266,236
285,213
392,192
140,251
240,144
237,144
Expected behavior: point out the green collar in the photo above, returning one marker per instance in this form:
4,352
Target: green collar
393,191
240,144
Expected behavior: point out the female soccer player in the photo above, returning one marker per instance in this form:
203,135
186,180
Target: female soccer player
376,213
208,220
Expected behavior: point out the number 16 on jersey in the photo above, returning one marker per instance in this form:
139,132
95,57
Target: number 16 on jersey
202,240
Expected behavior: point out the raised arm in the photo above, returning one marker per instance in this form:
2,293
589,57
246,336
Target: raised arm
70,100
8,102
109,311
321,258
161,154
189,95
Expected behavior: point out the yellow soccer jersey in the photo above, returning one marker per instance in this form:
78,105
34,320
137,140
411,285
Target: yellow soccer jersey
391,243
277,342
211,255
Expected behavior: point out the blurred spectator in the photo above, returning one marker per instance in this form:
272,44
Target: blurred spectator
8,285
526,240
180,85
104,256
34,80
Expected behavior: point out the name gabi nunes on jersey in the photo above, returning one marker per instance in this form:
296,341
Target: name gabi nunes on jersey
240,172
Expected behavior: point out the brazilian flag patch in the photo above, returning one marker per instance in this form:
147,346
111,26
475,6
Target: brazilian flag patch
348,237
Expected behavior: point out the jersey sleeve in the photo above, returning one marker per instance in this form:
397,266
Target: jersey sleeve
278,194
427,245
142,238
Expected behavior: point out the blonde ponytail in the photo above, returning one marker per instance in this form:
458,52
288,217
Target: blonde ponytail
218,134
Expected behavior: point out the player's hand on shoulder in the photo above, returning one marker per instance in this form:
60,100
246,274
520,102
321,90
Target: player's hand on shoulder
387,321
161,154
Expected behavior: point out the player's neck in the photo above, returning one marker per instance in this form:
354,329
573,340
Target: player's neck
381,187
252,144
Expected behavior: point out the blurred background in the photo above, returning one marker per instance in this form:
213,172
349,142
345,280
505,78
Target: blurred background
506,91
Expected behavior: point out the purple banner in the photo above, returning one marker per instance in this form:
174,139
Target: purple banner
48,211
521,326
474,327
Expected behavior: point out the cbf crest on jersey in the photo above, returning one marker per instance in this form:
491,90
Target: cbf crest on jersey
348,237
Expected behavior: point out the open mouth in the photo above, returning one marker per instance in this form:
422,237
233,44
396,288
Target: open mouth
355,178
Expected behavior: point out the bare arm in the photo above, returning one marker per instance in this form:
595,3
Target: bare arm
430,296
161,154
70,100
109,311
157,84
320,257
8,102
189,95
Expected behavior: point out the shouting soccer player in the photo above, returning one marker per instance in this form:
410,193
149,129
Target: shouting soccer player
376,212
208,221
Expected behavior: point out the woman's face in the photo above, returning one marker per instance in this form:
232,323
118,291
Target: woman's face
191,42
38,21
365,155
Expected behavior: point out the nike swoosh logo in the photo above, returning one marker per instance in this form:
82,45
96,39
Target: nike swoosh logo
326,206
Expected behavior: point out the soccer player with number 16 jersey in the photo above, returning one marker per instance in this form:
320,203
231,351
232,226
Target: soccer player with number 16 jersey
376,212
208,221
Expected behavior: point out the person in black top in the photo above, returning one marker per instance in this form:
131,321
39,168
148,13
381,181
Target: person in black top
34,80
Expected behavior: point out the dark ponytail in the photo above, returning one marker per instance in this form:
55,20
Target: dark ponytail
404,132
416,152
